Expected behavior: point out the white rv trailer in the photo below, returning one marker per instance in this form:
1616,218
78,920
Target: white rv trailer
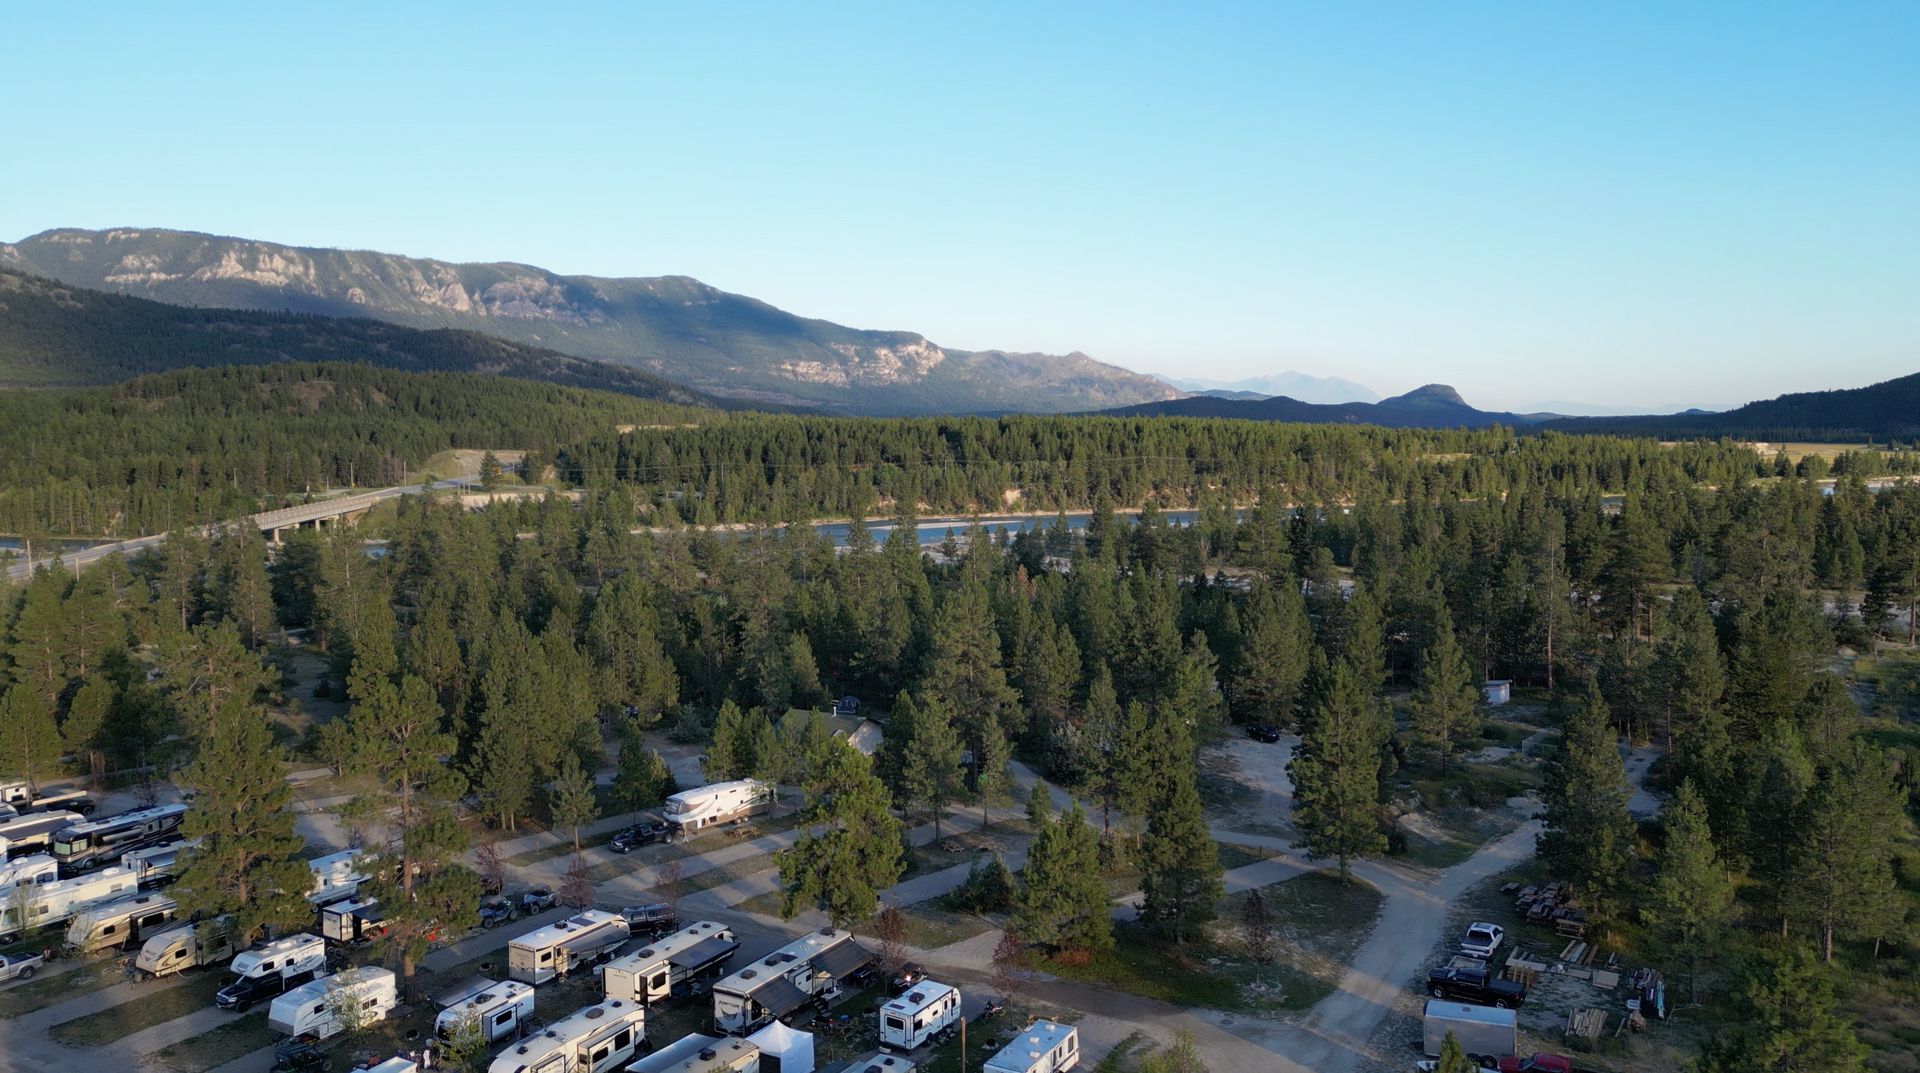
925,1012
121,922
272,969
878,1062
33,833
31,870
1045,1047
46,904
325,1008
185,945
602,1037
651,973
708,1055
156,866
395,1064
352,921
334,877
559,948
691,811
87,845
775,986
674,1055
497,1010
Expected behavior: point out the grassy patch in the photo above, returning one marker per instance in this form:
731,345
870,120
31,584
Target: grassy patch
1142,965
45,990
563,848
145,1011
216,1047
930,927
1234,855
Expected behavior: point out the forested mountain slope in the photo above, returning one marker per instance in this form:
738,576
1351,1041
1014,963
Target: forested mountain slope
676,327
1889,410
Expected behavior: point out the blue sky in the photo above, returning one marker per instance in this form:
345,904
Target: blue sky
1626,204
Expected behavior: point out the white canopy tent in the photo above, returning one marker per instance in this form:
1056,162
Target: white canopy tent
794,1049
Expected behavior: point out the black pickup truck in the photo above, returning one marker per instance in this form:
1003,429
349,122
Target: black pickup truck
1475,985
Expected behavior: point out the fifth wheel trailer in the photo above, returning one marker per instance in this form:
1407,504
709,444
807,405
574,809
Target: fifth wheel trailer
602,1037
119,923
1483,1031
691,811
655,971
1045,1047
559,948
775,986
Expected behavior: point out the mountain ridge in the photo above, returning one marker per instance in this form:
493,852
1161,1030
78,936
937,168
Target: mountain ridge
1428,406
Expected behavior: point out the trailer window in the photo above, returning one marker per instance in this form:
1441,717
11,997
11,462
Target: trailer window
659,979
621,1041
501,1018
546,955
896,1024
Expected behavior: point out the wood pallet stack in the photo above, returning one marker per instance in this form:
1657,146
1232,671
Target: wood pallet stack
1586,1023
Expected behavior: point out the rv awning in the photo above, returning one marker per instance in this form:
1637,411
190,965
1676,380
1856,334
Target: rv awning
592,939
842,960
703,953
779,997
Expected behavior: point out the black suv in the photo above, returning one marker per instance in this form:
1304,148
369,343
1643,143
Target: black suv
1264,732
645,833
1477,986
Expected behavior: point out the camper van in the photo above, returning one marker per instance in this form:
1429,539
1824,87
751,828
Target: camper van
325,1008
602,1037
47,904
691,811
334,877
119,923
1045,1047
272,969
91,844
183,946
352,921
926,1013
702,1054
498,1010
20,835
583,939
808,969
156,866
31,870
654,972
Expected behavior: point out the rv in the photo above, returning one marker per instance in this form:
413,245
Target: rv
334,877
17,799
806,970
352,921
272,969
656,971
46,904
325,1008
557,949
702,1054
119,923
184,946
1483,1031
34,834
496,1010
83,847
927,1012
597,1039
31,870
1045,1047
876,1062
691,811
156,866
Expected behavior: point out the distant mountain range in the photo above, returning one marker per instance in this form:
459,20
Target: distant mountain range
671,326
1432,406
1321,389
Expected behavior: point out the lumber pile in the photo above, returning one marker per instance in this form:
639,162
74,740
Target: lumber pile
1586,1023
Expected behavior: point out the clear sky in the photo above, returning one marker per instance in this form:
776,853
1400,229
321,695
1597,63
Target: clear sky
1618,203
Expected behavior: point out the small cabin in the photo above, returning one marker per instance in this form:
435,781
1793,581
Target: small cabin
1496,691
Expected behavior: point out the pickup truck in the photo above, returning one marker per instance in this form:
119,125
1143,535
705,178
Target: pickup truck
1477,986
20,966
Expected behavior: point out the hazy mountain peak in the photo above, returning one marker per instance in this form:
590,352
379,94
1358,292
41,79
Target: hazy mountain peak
1292,384
1430,395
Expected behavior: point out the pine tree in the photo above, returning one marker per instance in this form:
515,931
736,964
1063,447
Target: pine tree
1271,664
1062,902
1336,772
85,728
1788,1022
843,868
29,737
964,668
238,589
1446,700
1844,881
641,778
1589,836
1180,872
491,472
1776,777
212,678
930,776
570,799
730,755
630,665
803,674
1453,1057
1691,902
991,754
1692,679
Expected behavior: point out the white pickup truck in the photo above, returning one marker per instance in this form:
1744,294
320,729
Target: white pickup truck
19,966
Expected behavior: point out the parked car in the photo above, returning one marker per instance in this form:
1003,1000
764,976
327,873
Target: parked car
644,833
911,973
653,919
298,1056
538,900
1266,732
1477,986
497,911
1482,940
20,966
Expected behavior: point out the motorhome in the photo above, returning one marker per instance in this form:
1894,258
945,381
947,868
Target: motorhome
691,811
927,1012
808,969
119,923
496,1009
156,866
46,904
352,921
352,999
85,846
21,835
655,971
31,870
185,945
602,1037
335,877
553,951
272,969
1045,1047
707,1055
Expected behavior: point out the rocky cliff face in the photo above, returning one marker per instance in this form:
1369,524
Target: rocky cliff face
723,343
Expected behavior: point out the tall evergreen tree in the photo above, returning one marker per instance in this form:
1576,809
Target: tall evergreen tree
1589,836
1775,779
1336,783
852,848
1692,681
1271,664
1788,1021
1062,903
1180,872
570,798
1844,881
1446,699
641,778
1691,902
930,776
29,736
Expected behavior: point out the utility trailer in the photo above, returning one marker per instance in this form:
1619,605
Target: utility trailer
1483,1031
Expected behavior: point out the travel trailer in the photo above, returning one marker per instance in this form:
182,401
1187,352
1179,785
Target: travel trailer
156,866
926,1013
352,921
876,1062
559,948
31,870
119,923
92,844
602,1037
674,1055
498,1010
17,799
1045,1047
21,835
809,968
707,1055
272,969
325,1008
654,972
691,811
334,877
185,945
46,904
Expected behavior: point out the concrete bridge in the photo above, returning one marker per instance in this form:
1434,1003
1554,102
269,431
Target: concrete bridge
344,510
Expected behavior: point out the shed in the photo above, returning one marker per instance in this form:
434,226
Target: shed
1496,691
